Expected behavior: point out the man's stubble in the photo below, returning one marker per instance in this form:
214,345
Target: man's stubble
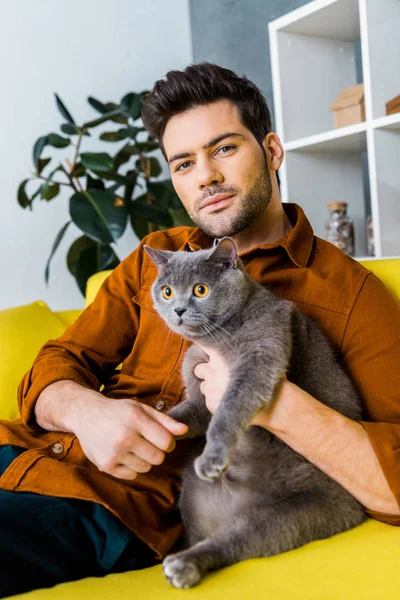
248,208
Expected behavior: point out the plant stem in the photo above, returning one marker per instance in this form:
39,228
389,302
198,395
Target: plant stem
77,150
45,179
146,163
69,177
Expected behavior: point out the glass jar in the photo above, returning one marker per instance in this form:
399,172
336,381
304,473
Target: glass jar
370,237
340,228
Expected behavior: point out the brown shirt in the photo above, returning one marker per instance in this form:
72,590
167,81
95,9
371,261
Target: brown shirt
350,304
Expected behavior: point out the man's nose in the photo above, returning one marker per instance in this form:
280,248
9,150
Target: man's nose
208,175
180,311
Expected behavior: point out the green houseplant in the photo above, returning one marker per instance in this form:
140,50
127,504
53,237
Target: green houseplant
102,201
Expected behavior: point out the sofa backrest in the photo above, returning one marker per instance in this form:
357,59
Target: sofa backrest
387,269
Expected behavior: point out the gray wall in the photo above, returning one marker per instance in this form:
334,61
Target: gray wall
234,34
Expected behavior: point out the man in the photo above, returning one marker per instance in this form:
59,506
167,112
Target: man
104,468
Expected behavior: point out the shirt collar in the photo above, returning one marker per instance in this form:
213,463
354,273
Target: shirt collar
297,242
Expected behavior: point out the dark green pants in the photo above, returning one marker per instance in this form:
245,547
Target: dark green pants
45,541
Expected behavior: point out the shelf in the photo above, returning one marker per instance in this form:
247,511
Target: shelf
345,139
317,51
333,19
388,122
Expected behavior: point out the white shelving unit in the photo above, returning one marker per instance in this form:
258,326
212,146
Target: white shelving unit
316,51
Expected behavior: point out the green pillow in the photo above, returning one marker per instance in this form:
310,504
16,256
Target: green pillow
23,330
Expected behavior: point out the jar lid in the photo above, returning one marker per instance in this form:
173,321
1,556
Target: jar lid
337,205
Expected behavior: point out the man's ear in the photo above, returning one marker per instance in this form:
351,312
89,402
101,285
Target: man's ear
225,252
159,257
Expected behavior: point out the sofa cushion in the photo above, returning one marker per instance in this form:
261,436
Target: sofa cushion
23,330
360,564
93,284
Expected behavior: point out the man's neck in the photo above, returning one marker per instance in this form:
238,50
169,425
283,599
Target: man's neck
272,225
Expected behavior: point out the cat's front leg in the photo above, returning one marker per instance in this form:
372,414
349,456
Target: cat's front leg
252,385
193,411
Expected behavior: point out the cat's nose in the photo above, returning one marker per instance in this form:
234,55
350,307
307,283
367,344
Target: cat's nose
180,311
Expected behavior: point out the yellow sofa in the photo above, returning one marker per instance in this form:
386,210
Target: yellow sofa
361,564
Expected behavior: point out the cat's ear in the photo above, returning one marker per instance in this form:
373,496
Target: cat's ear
225,252
159,257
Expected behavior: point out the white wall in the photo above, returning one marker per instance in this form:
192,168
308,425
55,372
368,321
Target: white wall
77,49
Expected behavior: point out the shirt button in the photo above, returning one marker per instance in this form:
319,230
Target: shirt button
159,405
58,448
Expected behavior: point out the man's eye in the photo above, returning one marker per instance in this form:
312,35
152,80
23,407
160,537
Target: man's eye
185,163
226,147
188,162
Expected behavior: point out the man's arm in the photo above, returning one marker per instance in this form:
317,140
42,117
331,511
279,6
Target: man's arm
338,446
90,349
335,444
63,403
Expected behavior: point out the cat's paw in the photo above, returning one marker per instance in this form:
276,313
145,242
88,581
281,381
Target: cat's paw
181,571
211,465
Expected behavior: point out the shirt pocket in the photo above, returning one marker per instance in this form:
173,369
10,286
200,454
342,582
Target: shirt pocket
157,349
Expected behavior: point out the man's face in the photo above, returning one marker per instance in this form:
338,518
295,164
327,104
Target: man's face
234,165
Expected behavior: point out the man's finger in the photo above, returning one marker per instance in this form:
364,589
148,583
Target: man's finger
200,370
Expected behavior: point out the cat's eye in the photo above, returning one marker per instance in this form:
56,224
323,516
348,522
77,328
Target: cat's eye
167,292
200,290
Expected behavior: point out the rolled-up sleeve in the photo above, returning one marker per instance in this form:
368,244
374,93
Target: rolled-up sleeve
91,348
371,351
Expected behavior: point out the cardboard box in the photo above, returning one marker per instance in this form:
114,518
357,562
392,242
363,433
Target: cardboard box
393,106
349,106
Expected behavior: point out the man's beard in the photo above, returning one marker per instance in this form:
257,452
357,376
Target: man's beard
250,207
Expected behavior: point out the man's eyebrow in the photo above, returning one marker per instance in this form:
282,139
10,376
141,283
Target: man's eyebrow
208,145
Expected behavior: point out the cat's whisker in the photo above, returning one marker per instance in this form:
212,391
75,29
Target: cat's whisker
208,330
218,334
215,335
219,327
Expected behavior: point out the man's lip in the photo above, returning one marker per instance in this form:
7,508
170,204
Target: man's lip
214,199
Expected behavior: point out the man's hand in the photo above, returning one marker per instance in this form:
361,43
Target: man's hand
215,375
125,437
121,437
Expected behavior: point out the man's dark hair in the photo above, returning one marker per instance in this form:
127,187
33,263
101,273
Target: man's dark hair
201,84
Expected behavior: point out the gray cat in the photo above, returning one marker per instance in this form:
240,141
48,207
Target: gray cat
264,498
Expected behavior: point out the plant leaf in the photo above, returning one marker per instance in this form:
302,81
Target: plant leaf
181,218
147,146
22,196
86,257
63,110
114,136
133,131
72,129
94,184
163,194
98,161
131,105
140,226
155,167
113,176
41,163
78,170
50,191
97,105
57,141
118,118
99,215
56,243
100,120
139,208
123,155
38,149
